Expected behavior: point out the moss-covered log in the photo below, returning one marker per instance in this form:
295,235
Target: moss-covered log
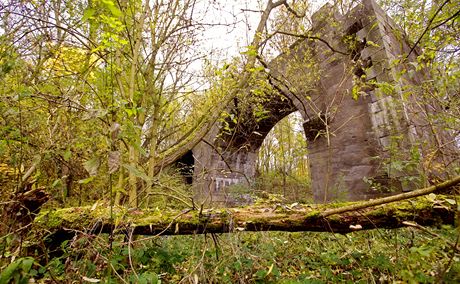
426,210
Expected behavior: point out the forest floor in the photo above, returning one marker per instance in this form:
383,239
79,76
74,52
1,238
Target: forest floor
86,253
405,255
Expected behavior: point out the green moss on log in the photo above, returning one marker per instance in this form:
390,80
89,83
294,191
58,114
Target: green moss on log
424,210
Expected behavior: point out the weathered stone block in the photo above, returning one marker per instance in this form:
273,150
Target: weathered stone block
359,129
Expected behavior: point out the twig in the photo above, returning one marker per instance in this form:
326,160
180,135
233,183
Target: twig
225,160
216,244
167,227
294,12
171,196
130,241
455,248
425,230
446,20
312,38
427,27
389,199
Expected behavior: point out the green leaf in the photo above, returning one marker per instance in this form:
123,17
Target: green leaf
136,172
115,11
450,201
88,14
355,92
386,87
130,111
371,43
67,155
9,271
86,180
112,8
92,166
148,278
27,264
56,183
423,250
251,51
260,274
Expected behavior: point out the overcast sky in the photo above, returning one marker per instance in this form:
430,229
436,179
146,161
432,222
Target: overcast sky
238,20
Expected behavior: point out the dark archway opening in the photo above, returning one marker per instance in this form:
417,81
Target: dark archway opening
185,166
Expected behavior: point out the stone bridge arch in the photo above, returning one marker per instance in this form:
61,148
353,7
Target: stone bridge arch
346,127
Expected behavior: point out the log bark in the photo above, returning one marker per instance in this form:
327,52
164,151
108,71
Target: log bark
430,210
20,211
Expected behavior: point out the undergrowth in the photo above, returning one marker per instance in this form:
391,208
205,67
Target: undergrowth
405,255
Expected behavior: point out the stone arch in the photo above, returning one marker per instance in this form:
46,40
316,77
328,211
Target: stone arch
346,127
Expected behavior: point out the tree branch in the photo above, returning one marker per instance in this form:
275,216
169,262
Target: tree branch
289,8
427,27
200,129
318,218
311,38
446,20
394,198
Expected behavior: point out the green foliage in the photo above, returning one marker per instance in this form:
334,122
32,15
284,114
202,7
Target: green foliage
19,271
283,161
400,255
62,91
169,191
291,188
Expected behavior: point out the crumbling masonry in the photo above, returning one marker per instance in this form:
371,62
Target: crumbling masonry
353,83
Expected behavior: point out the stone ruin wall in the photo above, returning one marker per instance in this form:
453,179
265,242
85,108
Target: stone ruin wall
360,129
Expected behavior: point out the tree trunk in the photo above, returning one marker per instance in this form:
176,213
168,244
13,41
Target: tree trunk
426,211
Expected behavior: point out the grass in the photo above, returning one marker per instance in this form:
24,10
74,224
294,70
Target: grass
405,255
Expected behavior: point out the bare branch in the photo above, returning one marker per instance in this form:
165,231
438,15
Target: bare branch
291,10
427,27
309,37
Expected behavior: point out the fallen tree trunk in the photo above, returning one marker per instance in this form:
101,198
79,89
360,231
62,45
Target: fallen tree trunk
426,210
